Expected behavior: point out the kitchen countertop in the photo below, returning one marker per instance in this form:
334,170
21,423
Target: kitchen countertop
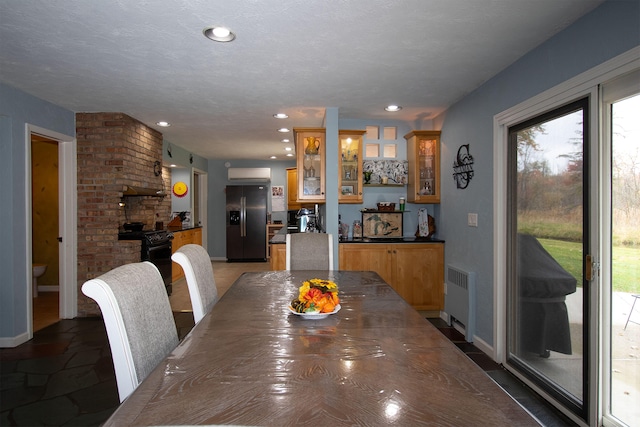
280,238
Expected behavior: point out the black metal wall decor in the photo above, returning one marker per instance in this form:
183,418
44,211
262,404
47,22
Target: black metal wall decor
463,167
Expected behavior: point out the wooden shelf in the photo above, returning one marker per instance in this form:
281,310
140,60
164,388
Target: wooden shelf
384,185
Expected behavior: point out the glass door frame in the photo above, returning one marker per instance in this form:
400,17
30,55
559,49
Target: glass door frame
514,362
610,92
585,84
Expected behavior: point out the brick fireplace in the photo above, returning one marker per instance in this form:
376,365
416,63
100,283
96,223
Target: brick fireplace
114,150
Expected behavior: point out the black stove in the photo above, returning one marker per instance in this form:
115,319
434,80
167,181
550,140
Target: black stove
156,248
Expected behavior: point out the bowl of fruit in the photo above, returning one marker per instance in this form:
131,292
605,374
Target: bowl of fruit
317,299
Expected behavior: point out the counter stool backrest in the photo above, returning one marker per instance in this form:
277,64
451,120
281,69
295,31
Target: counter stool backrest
198,271
309,251
138,318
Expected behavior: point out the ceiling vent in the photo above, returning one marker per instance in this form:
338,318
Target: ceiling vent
249,174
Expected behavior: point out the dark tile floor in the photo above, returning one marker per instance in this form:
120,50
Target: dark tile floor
538,407
64,376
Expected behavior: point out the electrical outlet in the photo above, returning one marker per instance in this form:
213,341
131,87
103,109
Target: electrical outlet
472,219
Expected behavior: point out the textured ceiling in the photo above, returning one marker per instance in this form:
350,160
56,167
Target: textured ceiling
150,60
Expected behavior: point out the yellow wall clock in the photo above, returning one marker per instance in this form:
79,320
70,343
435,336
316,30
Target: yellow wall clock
180,189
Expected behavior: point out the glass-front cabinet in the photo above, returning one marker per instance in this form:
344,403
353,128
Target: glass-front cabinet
423,154
350,166
310,149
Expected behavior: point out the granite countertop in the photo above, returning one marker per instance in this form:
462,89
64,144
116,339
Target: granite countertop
280,237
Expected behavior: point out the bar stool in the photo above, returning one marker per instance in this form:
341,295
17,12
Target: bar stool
635,298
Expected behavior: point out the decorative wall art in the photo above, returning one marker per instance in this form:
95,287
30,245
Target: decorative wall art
463,167
381,224
396,171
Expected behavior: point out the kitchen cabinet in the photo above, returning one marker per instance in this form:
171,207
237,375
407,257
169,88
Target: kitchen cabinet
414,270
292,189
272,229
278,259
350,166
423,154
181,238
310,149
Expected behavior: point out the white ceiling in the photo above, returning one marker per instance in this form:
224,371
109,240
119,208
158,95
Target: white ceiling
150,60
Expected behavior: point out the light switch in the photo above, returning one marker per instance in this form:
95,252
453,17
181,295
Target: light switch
472,219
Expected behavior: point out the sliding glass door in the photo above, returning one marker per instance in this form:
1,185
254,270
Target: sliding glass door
621,266
547,242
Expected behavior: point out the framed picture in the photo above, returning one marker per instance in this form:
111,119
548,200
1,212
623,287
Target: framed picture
381,225
347,190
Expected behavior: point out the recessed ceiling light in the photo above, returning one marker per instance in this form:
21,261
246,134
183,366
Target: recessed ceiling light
289,154
280,116
173,166
219,34
285,140
393,108
163,124
288,149
283,130
273,157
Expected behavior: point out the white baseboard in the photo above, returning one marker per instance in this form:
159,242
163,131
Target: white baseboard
478,342
10,342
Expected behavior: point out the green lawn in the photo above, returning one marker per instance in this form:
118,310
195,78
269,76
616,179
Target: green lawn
626,263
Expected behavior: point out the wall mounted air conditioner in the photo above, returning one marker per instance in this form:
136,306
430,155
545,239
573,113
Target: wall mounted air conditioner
249,174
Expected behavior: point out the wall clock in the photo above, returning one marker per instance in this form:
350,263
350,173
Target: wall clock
180,189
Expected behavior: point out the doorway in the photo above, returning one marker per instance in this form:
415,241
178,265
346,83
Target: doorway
45,231
65,153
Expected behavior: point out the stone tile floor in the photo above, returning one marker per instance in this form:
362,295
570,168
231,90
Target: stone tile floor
546,414
64,376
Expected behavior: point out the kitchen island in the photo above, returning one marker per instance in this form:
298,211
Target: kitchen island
414,267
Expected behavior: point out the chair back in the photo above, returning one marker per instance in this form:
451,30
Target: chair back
196,263
138,318
309,251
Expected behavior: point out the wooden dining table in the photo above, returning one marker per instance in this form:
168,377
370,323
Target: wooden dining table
252,362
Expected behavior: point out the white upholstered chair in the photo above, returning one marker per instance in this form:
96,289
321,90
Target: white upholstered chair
138,318
196,263
309,251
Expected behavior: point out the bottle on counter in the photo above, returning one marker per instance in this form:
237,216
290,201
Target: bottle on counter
357,229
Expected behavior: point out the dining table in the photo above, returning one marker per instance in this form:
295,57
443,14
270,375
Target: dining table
376,361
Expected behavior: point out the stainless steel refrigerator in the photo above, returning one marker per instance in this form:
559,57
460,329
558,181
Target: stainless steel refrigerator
246,222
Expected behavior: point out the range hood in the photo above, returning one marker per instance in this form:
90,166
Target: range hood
130,190
249,174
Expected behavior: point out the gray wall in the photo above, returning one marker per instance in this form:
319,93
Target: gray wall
608,31
17,109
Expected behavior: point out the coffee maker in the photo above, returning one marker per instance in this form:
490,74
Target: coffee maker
308,220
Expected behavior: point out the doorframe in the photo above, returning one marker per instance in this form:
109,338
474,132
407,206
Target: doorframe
67,213
202,200
585,84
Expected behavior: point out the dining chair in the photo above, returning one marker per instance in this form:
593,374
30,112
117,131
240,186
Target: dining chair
138,318
309,251
196,263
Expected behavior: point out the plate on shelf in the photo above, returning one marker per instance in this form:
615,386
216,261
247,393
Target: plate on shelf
316,315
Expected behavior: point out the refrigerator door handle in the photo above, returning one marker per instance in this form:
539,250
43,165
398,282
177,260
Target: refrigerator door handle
243,216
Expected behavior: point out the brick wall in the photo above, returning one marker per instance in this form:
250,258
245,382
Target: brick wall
114,150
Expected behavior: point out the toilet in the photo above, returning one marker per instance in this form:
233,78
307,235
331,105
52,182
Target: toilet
38,270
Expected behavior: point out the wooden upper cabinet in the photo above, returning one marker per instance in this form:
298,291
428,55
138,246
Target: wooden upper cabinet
423,153
292,189
310,149
350,166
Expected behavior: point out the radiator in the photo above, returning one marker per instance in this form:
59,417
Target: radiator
460,301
